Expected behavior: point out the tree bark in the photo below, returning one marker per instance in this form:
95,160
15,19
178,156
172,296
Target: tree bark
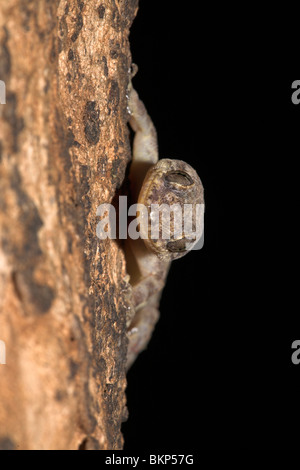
64,148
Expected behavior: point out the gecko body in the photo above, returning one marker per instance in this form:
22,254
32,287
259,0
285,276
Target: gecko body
155,182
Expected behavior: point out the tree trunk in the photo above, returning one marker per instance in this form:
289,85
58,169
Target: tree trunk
64,148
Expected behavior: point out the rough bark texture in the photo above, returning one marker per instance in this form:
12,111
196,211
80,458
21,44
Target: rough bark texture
64,148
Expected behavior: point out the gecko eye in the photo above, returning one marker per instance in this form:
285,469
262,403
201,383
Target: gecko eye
180,178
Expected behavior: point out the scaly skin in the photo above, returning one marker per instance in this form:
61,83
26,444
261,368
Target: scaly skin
154,181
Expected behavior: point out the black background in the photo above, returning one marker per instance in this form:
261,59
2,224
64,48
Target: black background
217,373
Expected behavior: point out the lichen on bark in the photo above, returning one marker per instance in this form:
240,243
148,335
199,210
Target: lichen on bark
64,149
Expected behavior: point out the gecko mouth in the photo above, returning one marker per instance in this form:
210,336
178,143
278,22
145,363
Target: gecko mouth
179,246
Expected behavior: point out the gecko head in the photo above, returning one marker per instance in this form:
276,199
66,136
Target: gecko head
173,197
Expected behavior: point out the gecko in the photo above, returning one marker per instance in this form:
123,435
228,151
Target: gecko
153,181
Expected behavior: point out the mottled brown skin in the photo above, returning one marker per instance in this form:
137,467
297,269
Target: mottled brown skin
159,182
170,182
